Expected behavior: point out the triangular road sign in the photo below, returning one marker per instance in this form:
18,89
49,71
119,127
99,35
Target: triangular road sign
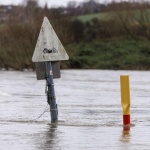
48,46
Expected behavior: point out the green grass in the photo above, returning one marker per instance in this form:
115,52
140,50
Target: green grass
89,17
134,16
113,54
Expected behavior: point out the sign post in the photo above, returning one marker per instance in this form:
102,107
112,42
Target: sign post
47,55
51,99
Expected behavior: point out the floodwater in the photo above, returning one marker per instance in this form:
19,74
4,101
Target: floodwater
90,113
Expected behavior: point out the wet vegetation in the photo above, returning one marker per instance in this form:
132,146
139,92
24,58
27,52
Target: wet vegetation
116,38
111,54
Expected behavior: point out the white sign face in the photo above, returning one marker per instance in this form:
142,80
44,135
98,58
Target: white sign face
48,46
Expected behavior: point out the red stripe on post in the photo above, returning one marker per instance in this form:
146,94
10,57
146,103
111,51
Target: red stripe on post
126,119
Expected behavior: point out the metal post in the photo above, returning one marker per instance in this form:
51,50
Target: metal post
51,99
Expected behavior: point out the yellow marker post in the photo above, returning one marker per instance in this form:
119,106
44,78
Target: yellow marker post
125,99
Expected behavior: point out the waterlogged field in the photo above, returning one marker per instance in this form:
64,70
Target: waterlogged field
90,114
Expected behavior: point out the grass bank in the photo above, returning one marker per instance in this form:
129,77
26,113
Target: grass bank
134,16
111,44
116,54
110,54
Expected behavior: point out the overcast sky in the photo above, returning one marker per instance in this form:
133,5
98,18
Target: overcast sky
49,2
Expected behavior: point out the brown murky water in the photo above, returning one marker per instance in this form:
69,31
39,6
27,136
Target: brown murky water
90,114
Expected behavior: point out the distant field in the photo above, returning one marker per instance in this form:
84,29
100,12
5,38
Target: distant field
2,27
133,15
89,17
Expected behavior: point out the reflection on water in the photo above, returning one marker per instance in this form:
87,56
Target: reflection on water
126,134
90,113
50,139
